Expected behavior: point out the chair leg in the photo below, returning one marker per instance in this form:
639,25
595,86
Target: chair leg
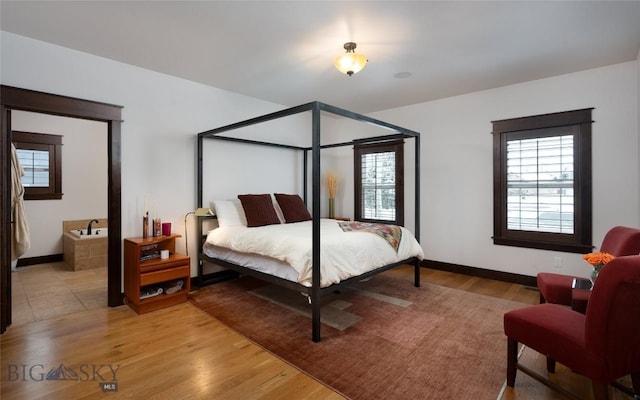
600,390
512,359
551,365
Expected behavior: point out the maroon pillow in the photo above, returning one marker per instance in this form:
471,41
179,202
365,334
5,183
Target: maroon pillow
258,208
292,207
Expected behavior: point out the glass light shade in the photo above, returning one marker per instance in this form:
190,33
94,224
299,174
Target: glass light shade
350,63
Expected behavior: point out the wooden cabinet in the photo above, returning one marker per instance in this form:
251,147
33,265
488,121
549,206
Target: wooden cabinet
146,272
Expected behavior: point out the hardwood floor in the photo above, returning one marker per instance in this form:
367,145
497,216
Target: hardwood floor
183,353
174,353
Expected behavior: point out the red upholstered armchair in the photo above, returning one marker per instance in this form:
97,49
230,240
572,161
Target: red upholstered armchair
619,241
603,345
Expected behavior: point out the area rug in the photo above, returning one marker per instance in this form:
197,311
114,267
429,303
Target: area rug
430,342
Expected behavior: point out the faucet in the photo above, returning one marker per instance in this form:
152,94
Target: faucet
89,226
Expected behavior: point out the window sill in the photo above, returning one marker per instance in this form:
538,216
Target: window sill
43,196
564,247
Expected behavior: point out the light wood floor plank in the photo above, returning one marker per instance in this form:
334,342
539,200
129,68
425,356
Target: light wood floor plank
178,352
183,353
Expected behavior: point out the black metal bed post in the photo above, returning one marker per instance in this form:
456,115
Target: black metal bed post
199,165
315,179
305,180
199,199
416,233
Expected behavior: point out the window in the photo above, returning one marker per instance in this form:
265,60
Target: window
379,182
40,156
542,181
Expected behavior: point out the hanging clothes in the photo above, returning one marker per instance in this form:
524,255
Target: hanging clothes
20,241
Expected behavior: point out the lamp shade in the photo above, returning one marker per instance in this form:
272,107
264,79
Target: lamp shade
350,62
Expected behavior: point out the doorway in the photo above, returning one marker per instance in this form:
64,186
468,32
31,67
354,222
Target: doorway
12,98
59,275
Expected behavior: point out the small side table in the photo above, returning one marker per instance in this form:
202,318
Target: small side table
580,293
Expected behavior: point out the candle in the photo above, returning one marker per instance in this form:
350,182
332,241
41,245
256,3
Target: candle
145,205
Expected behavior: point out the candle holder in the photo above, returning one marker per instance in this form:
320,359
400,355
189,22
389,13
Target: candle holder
157,227
145,226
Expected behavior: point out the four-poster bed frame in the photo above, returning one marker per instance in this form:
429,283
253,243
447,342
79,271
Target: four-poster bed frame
314,292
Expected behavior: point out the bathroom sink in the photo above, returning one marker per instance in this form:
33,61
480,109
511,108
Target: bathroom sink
95,233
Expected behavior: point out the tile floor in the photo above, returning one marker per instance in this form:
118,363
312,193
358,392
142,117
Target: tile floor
49,290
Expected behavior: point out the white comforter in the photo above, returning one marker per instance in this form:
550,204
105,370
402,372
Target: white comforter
342,255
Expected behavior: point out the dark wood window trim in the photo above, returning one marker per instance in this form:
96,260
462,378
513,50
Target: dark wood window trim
397,147
51,144
579,121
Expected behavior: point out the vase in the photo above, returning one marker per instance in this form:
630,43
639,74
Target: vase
594,274
145,227
157,227
332,208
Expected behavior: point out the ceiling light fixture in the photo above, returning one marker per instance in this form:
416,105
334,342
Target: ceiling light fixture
350,62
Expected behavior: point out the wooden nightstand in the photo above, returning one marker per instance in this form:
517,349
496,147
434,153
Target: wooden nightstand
145,271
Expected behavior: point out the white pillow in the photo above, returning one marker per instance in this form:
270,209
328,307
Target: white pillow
279,212
229,213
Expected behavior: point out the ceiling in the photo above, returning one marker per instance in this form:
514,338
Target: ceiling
283,51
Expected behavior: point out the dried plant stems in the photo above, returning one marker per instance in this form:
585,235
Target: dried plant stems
332,182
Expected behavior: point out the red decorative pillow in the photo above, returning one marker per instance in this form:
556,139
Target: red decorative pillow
293,207
258,208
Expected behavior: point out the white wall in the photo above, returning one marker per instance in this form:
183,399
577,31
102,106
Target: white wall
456,172
256,169
84,178
162,115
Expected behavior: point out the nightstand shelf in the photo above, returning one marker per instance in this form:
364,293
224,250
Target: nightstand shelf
145,271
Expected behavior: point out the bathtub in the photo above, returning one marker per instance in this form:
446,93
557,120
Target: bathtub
95,233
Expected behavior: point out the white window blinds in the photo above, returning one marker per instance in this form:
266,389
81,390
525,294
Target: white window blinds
35,164
379,185
540,184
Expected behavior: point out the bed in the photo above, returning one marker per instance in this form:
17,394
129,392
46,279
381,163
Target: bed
309,263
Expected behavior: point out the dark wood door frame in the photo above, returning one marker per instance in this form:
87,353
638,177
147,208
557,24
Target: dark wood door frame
12,98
